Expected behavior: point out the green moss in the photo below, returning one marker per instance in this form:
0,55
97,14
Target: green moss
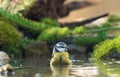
104,47
106,25
52,34
86,40
78,30
114,18
29,25
50,22
9,36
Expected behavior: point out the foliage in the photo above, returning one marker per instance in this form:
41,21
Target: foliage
20,47
114,18
84,36
91,36
9,36
106,25
24,42
38,27
25,23
49,30
78,30
94,35
52,34
50,21
105,47
86,40
16,6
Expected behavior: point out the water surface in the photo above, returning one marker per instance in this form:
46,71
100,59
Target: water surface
41,68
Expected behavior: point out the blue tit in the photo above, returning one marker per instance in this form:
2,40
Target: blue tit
59,47
60,54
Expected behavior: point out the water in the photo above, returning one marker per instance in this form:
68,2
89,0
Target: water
41,68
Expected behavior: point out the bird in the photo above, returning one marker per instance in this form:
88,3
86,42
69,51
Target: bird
59,47
60,54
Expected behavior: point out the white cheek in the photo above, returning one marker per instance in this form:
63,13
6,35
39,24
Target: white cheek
61,49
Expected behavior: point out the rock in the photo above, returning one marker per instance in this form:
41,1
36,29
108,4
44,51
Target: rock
73,47
6,67
4,58
38,49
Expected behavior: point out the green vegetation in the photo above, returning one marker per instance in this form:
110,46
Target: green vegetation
84,41
49,21
49,30
25,23
78,30
94,36
98,34
106,46
9,36
109,45
38,27
113,18
53,34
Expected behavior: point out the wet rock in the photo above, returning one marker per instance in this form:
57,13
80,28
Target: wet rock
4,58
37,49
5,68
73,47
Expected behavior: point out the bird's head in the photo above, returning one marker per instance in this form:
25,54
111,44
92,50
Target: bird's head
60,47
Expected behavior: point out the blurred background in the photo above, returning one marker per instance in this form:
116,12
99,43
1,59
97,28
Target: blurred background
32,28
29,29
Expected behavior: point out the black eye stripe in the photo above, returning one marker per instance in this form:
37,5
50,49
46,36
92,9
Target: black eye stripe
60,47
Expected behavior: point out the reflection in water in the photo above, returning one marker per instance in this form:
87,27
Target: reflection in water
88,71
80,69
60,70
109,69
37,75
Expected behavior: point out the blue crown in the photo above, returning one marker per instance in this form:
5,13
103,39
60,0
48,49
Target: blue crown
60,47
